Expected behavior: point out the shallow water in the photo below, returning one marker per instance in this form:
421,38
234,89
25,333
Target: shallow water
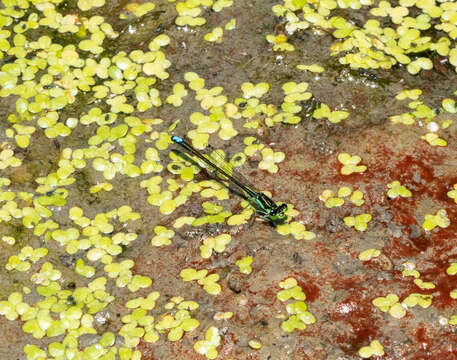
339,287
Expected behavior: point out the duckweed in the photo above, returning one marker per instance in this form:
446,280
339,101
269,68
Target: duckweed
86,5
314,68
19,262
125,84
139,10
163,236
331,201
296,229
396,189
190,274
84,270
140,325
254,344
423,115
440,219
270,159
208,346
280,43
424,285
452,269
9,240
390,304
215,35
414,299
183,220
99,187
410,270
299,316
216,244
359,222
290,290
453,294
350,164
7,159
244,264
434,140
328,196
375,348
231,25
412,94
218,5
357,198
46,274
210,284
453,193
369,254
223,315
179,92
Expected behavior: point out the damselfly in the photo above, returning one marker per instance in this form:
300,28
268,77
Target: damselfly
263,205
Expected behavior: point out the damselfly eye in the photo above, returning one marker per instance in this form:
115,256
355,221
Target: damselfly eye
280,210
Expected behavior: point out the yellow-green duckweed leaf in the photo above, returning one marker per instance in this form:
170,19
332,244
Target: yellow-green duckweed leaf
396,189
453,193
360,222
250,90
223,315
350,164
231,24
254,344
221,4
140,10
190,274
412,94
344,191
288,283
397,311
245,264
322,112
357,198
369,254
280,43
208,346
86,5
163,236
452,269
9,240
215,35
440,219
434,140
414,299
337,115
453,294
377,348
424,285
217,244
84,270
314,68
334,202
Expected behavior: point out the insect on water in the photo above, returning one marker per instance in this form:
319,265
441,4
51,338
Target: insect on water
263,205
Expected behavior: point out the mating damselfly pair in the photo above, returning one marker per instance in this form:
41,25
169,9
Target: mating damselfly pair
263,205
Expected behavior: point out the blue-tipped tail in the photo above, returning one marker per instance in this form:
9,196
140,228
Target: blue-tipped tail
177,139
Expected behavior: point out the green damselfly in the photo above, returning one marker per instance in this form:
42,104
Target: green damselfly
263,205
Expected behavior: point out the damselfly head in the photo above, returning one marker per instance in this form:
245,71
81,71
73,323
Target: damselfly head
177,139
277,216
